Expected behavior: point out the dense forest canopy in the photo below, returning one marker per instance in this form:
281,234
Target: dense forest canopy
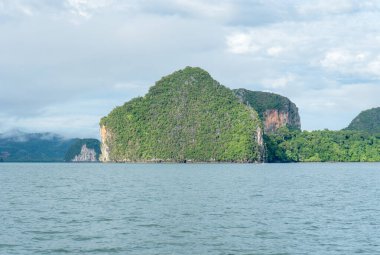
186,116
322,146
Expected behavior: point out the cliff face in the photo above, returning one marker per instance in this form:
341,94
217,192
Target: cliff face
186,117
367,121
274,110
83,150
105,136
86,155
274,119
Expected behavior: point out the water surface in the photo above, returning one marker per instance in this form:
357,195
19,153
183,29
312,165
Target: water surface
189,208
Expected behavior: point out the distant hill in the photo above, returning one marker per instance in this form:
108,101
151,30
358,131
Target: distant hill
83,150
367,121
185,116
17,146
274,110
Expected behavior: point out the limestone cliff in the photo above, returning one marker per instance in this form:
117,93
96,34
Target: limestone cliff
83,150
274,110
105,137
274,119
86,155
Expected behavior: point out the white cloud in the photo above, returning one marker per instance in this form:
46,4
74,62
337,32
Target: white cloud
347,62
335,107
85,8
211,9
275,51
373,66
279,83
241,43
325,56
335,59
323,7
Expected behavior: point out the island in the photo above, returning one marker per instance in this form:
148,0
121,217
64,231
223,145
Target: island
188,116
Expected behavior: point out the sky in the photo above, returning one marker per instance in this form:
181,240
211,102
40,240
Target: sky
66,63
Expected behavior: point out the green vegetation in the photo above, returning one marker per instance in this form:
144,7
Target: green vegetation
322,146
263,102
186,116
367,121
76,148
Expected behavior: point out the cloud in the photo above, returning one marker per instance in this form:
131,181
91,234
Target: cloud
347,62
86,8
241,43
334,108
72,61
279,83
275,51
323,7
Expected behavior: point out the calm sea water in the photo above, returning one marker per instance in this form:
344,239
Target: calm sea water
189,209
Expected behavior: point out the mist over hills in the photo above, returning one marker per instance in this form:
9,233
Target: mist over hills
18,146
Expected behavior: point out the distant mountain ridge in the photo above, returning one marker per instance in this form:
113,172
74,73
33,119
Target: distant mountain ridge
18,146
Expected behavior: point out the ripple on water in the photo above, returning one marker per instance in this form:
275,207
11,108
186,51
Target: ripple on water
189,209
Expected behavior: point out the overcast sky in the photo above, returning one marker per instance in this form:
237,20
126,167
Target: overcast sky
66,63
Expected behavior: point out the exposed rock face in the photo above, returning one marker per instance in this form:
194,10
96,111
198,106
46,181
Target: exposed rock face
260,142
105,136
274,110
275,119
87,149
86,155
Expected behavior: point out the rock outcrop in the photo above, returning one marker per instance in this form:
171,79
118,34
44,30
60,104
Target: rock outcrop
83,150
105,137
86,155
185,117
274,110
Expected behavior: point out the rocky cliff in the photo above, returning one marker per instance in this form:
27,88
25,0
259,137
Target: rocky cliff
85,155
83,150
185,117
367,121
105,137
274,110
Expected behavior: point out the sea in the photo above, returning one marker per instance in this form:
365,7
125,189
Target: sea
80,208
